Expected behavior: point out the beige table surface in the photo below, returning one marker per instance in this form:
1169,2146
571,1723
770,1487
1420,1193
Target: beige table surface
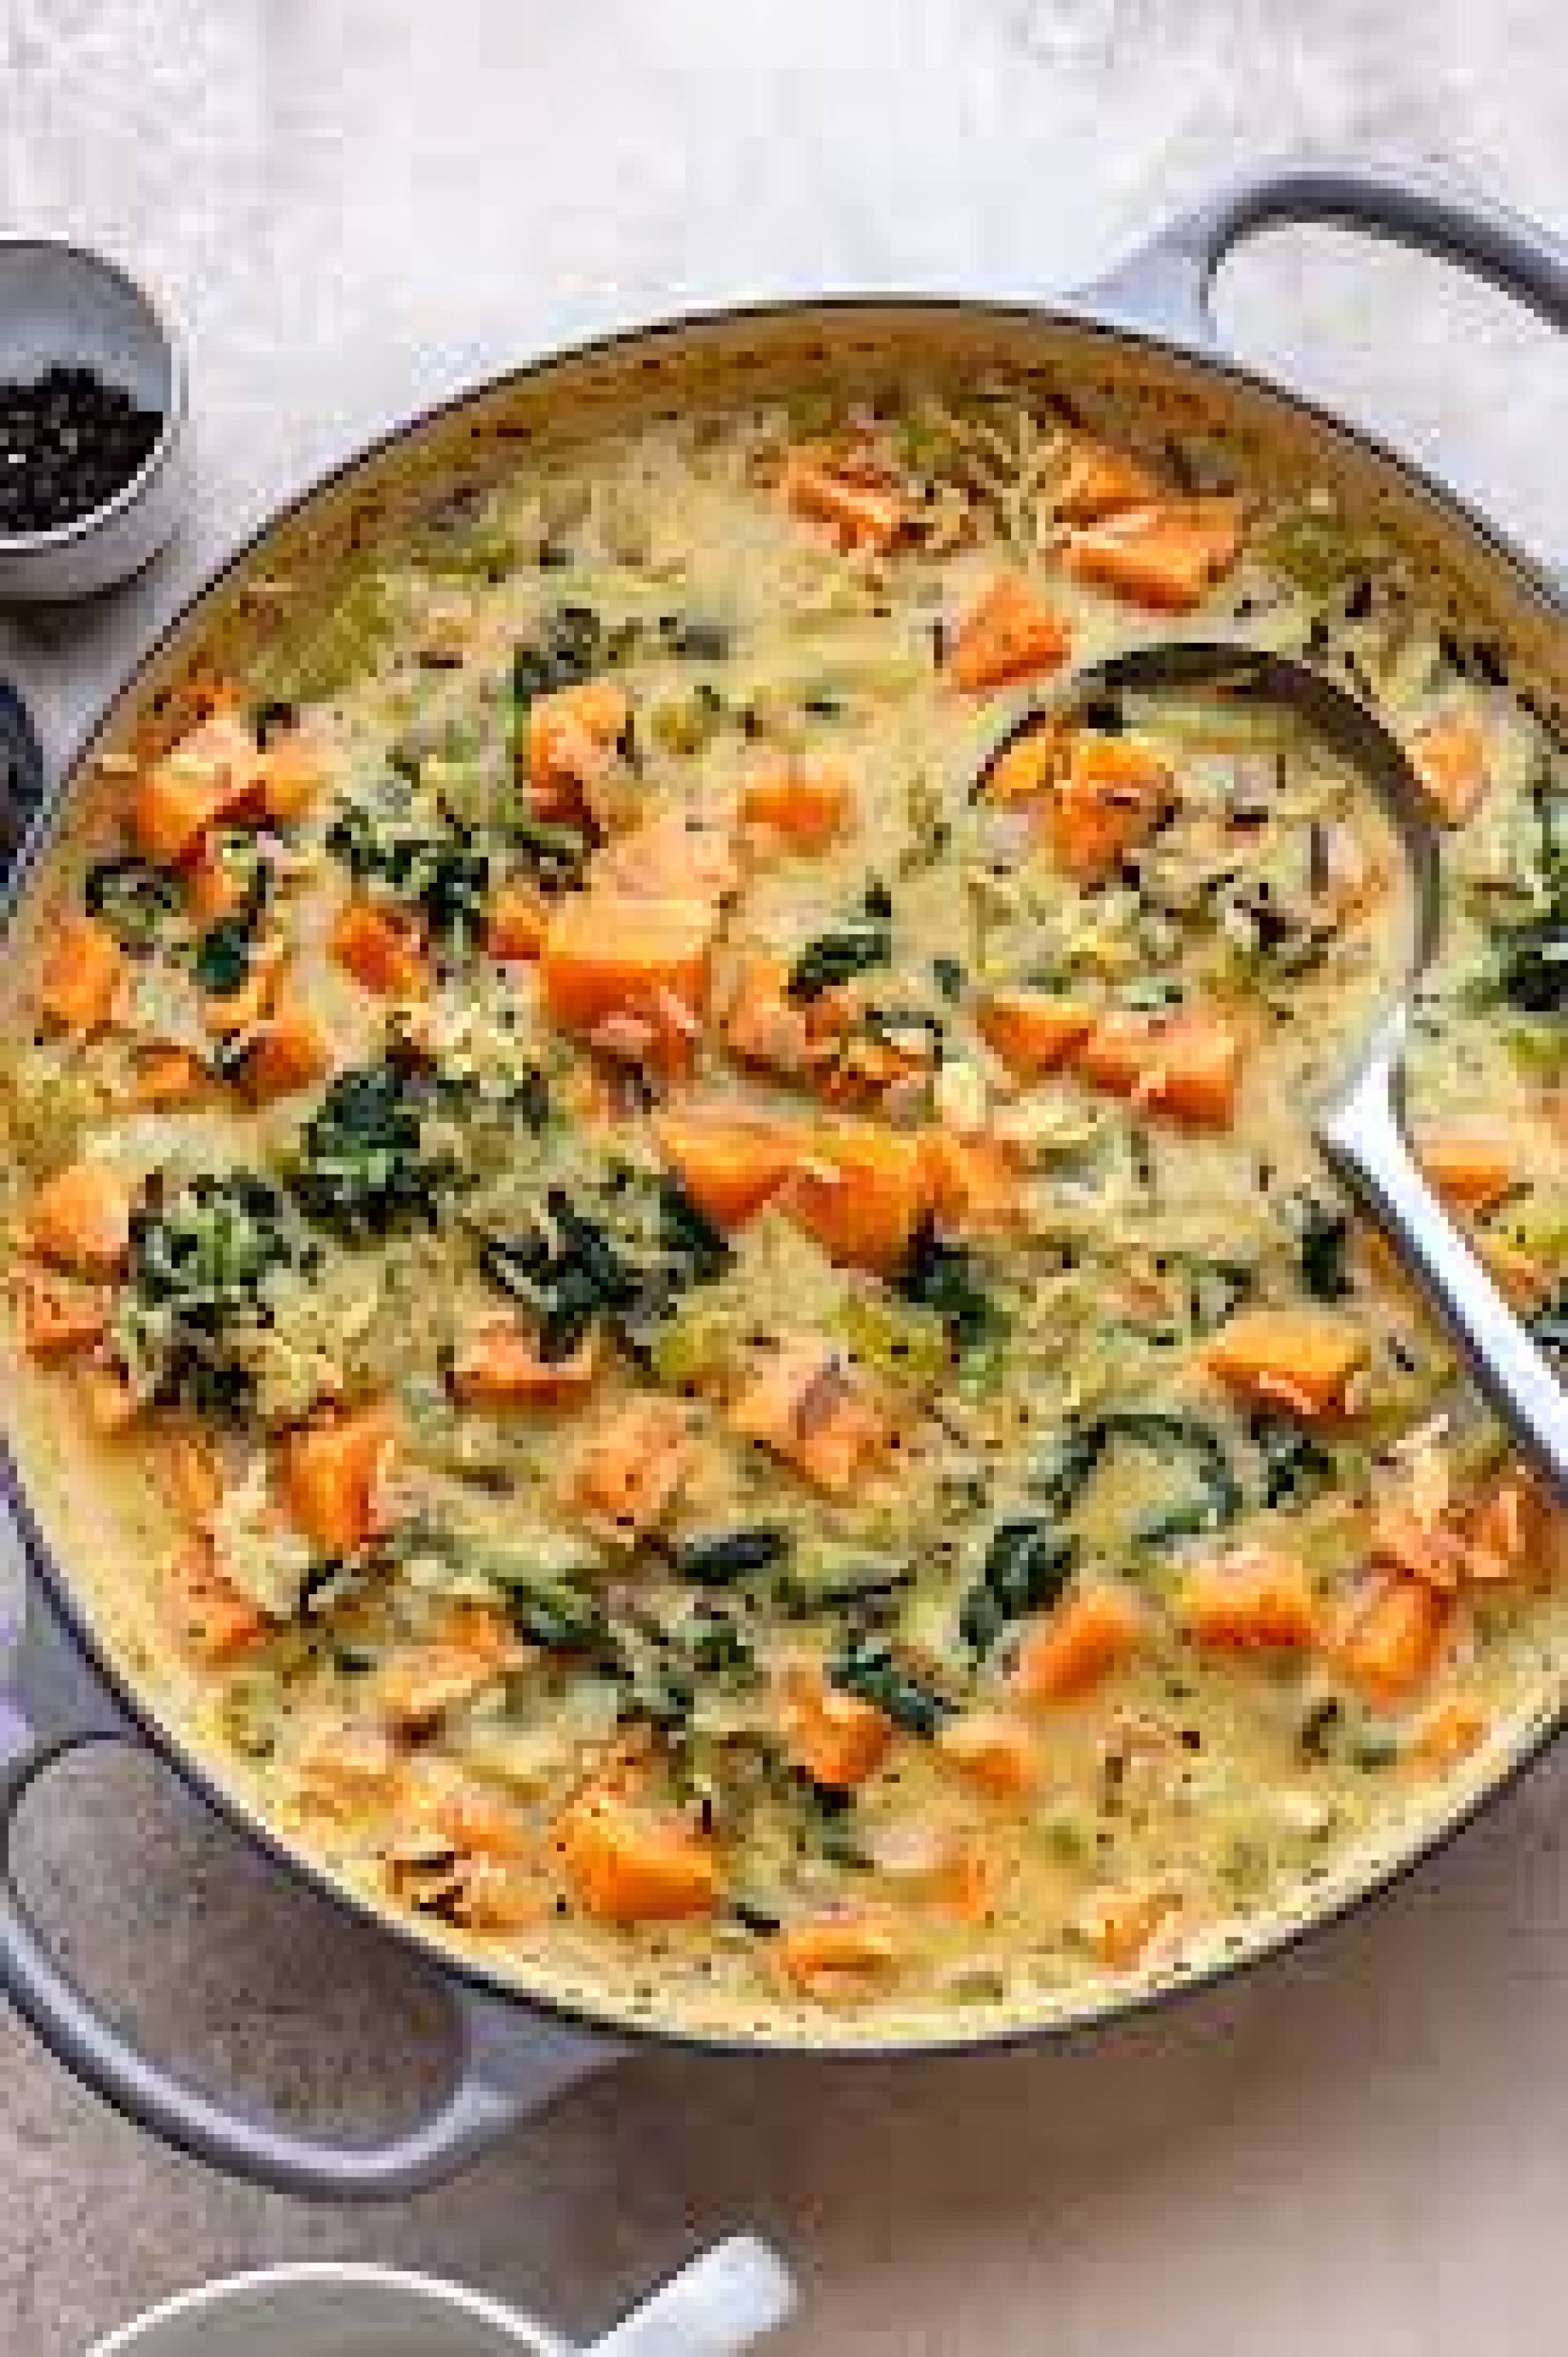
357,204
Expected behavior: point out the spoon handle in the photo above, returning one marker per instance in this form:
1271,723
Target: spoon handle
726,2299
1363,1140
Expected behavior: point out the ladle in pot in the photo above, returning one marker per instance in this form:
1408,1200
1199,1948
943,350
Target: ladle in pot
1360,1131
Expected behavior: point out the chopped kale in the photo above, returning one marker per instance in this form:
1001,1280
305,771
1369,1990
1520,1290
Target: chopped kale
729,1556
869,1669
1324,1246
835,958
570,648
1027,1565
198,1269
134,898
444,875
359,1167
223,960
943,1276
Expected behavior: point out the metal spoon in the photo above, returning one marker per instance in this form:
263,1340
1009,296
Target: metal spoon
1360,1130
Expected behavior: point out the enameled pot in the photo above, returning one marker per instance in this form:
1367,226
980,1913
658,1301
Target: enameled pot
1145,335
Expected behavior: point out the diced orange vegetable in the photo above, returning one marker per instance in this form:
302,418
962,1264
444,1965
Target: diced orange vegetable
514,927
628,1866
1187,1063
1032,1031
481,1825
610,955
345,1769
190,1474
498,1363
214,1622
808,801
420,1684
764,1025
992,1749
211,774
1102,481
108,1402
1113,796
287,775
167,1078
1523,1279
1448,1731
1026,769
1301,1359
807,1405
1510,1530
863,514
57,1317
571,735
970,1181
382,948
679,853
1119,1924
1011,634
861,1191
80,1218
1388,1639
290,1053
1473,1171
1450,759
836,1737
1424,1547
82,971
728,1165
840,1956
1086,1637
628,1473
331,1472
214,887
1166,554
1254,1599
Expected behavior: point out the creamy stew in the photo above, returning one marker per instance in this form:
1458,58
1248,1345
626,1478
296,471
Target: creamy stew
724,1367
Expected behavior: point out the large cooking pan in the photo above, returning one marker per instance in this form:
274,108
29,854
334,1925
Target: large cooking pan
1146,334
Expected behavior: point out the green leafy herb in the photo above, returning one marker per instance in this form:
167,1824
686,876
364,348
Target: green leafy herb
869,1669
359,1167
1027,1565
134,899
835,958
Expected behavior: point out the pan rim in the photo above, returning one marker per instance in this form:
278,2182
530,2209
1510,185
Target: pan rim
1274,1939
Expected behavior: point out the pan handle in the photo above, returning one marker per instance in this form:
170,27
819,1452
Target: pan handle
507,2066
1168,284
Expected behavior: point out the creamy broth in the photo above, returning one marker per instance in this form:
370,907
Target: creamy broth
714,1354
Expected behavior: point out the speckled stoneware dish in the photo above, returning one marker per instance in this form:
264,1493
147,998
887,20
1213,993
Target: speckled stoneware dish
62,305
1144,342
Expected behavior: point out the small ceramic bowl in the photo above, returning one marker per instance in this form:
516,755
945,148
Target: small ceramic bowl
61,305
723,2301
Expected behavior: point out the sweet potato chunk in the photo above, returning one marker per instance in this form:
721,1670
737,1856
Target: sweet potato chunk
992,1749
382,948
572,734
840,1957
57,1317
331,1472
1166,554
1469,1170
213,1620
1448,1731
728,1165
515,923
167,1078
628,1473
806,801
1114,794
864,514
837,1739
1102,481
1187,1063
628,1866
1010,635
1252,1600
1450,759
1086,1637
83,973
1301,1360
1388,1637
1120,1925
80,1220
1033,1031
1508,1529
290,1052
609,954
807,1405
970,1181
498,1363
1025,772
211,774
861,1191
